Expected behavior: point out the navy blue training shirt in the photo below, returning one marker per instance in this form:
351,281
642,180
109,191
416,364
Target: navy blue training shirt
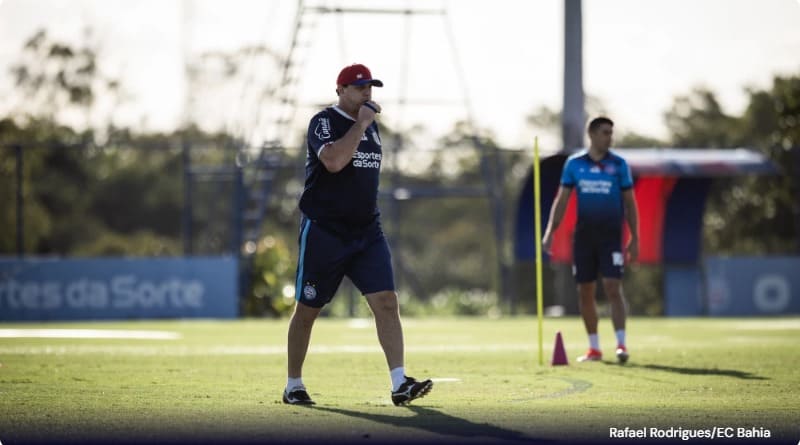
599,187
349,196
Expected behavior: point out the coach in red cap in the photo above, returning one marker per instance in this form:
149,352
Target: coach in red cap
357,74
341,235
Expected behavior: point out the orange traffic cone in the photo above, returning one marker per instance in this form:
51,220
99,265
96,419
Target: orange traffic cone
559,354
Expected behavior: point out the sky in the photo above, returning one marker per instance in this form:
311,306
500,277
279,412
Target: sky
496,61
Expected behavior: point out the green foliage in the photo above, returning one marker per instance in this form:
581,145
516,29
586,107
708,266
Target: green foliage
271,279
635,140
547,120
59,82
698,120
643,286
447,302
753,215
139,243
453,301
436,245
133,191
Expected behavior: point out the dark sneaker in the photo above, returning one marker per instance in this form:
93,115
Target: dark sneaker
622,354
411,389
297,396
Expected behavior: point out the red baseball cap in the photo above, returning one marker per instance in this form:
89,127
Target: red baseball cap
357,74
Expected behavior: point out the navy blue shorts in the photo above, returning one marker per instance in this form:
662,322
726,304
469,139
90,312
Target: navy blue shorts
326,257
597,252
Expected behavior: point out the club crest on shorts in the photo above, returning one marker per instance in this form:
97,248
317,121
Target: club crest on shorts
309,291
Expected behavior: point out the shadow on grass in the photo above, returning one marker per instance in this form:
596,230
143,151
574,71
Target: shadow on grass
434,421
697,371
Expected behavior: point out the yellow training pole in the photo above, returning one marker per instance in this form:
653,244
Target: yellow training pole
537,218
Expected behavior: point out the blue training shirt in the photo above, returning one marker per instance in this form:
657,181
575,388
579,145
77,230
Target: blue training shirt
350,196
599,187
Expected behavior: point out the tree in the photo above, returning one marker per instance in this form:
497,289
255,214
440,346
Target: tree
697,120
547,121
59,82
751,215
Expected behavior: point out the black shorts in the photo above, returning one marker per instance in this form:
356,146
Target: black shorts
326,257
596,252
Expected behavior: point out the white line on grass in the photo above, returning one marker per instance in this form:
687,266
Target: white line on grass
770,325
360,323
243,350
89,333
230,350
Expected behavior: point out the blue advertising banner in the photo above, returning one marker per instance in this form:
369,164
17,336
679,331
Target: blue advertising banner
683,291
118,288
753,286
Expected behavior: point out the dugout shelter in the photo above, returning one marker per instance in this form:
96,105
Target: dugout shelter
671,186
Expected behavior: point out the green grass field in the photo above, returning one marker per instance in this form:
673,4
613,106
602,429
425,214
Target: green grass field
222,380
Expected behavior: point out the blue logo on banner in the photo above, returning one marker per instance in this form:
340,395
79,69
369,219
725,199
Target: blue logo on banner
116,288
752,286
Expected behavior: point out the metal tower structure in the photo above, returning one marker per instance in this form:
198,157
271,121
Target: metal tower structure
254,171
573,119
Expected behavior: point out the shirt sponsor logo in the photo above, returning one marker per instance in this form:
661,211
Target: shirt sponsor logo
595,186
323,129
367,160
